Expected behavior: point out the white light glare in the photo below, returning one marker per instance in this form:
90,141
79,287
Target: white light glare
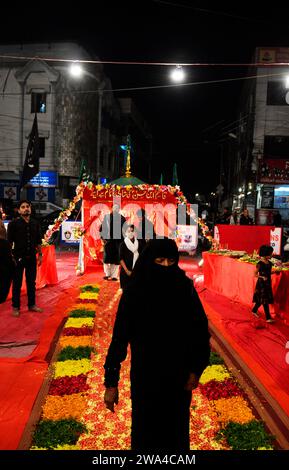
178,75
76,70
287,81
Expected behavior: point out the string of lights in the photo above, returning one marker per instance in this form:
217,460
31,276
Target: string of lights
154,87
148,63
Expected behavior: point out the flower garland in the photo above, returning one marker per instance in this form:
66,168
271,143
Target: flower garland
79,231
205,230
63,215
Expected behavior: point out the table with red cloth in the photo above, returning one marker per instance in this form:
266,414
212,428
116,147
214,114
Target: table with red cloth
236,280
46,273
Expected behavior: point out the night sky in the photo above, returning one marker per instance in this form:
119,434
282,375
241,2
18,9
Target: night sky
187,122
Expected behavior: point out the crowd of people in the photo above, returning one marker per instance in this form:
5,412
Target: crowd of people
243,218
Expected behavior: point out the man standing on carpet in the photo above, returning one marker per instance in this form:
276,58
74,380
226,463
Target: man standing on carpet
160,315
24,236
111,230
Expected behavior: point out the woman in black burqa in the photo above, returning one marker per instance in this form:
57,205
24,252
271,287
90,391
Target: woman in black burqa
160,315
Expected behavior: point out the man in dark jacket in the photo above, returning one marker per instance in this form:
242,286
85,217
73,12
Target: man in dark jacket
24,236
112,232
145,228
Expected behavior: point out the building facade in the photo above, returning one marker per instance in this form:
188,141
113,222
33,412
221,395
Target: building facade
78,119
260,178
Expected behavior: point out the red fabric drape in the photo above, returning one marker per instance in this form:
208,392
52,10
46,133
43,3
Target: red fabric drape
94,210
244,237
47,272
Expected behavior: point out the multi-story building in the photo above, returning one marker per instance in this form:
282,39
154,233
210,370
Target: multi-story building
78,118
261,174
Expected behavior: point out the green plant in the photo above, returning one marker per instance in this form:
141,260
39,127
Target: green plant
249,436
81,312
89,288
49,434
70,353
215,359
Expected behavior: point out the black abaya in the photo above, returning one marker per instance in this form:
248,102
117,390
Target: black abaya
111,230
162,318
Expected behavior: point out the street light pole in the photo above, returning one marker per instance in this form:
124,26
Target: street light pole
99,119
100,93
77,71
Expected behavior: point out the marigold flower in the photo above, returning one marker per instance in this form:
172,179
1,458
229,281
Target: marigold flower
70,368
79,322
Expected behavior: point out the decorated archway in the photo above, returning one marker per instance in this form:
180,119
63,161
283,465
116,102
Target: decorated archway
159,201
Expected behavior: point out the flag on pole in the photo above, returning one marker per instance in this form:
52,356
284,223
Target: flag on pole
84,173
31,164
175,175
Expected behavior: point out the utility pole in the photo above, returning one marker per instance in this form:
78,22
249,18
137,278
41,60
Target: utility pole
100,93
220,187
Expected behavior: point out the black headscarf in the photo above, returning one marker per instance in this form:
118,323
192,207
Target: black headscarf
146,270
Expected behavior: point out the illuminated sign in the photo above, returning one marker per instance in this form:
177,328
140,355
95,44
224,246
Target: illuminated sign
45,178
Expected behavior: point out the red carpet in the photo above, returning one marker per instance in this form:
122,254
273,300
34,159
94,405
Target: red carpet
19,336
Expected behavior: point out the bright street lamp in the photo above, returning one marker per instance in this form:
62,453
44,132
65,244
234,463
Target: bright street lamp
178,74
76,70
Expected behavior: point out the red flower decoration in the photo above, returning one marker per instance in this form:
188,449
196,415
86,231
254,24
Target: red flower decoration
215,389
84,331
68,385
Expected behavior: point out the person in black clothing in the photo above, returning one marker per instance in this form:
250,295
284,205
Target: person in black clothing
145,228
24,236
111,230
245,219
7,264
277,219
160,315
225,217
263,294
129,251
